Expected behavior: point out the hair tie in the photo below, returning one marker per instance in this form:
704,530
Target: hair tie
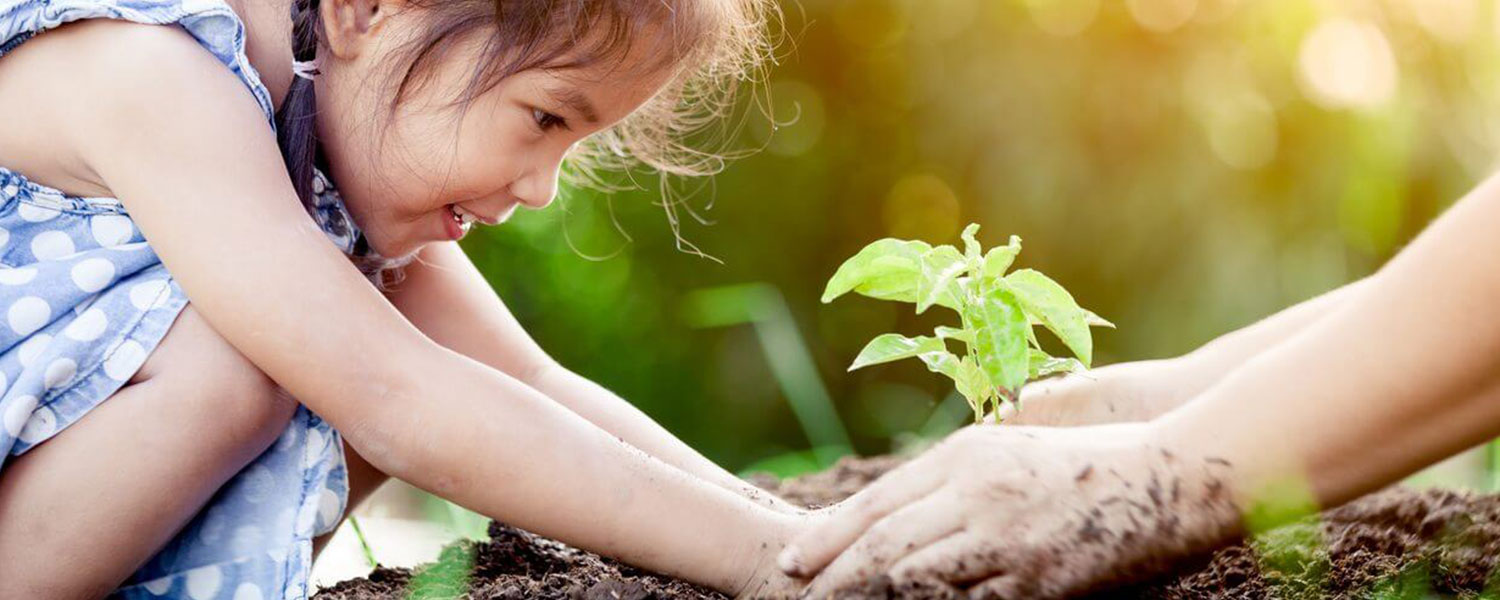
306,69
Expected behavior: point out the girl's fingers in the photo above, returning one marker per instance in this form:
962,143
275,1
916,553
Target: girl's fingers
912,527
1002,587
815,548
959,559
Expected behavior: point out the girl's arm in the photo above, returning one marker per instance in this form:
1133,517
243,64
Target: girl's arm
175,136
446,297
1143,390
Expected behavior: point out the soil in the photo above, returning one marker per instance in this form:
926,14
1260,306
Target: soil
1394,544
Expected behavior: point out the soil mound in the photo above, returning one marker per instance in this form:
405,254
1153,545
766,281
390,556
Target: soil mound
1397,543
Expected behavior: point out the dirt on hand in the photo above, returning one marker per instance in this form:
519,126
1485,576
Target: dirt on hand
1397,543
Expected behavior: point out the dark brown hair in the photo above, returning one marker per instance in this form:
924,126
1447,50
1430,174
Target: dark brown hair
711,46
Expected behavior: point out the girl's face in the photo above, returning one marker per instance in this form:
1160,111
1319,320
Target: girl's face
404,179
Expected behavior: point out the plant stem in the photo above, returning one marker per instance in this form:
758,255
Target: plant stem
363,543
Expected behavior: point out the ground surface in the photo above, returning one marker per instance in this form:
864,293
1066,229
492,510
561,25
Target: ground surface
1394,544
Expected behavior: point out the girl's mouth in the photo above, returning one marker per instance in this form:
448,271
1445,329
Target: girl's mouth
458,222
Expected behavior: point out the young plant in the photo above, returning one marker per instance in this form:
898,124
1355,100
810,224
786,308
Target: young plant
998,312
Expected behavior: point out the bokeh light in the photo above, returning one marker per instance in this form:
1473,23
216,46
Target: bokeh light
1348,64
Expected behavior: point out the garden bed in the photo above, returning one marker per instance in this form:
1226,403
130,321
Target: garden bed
1397,543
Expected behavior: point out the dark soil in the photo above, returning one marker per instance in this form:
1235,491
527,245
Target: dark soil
1394,544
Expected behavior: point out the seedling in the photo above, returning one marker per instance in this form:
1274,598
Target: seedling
998,313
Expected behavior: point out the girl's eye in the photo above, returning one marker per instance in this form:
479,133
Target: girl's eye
546,121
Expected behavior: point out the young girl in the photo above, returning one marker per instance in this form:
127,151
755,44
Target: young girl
187,363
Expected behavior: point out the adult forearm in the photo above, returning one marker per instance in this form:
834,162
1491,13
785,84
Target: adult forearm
484,440
1398,377
1143,390
613,414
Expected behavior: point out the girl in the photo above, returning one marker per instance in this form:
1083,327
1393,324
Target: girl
188,363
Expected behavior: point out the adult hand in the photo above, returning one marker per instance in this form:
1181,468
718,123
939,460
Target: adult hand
1025,512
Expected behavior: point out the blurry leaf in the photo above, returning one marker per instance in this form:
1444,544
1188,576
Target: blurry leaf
973,384
999,258
1095,320
1044,365
941,267
941,362
894,346
971,245
886,269
1000,328
1049,303
954,333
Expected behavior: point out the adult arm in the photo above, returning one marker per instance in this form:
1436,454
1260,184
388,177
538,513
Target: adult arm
446,297
1398,376
174,135
1143,390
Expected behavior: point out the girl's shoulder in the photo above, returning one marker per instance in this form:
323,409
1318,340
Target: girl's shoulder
75,67
211,23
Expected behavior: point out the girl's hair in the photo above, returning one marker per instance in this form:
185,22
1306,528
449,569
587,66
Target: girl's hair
710,47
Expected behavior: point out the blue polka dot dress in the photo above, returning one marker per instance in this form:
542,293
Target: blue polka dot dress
84,300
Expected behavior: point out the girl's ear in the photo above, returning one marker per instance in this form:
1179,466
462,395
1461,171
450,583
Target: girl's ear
349,25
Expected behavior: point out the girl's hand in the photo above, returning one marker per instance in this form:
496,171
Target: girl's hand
1025,513
764,579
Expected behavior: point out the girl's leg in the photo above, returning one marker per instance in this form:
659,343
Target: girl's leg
82,511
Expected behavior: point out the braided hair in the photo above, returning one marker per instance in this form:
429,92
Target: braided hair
295,129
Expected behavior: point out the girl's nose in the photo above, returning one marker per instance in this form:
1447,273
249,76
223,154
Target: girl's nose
537,188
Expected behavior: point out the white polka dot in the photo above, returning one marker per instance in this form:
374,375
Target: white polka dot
248,591
59,372
88,326
17,413
32,348
287,439
21,276
91,275
123,362
41,425
51,245
159,586
212,529
330,508
111,230
28,314
246,539
149,294
203,582
37,214
258,484
4,237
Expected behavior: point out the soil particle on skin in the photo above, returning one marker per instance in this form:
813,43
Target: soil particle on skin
1396,544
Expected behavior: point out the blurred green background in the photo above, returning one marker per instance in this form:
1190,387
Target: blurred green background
1183,166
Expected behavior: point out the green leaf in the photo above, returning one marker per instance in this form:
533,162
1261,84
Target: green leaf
1055,308
942,362
937,284
1095,320
894,346
971,244
1044,365
999,258
973,384
1000,328
886,269
954,333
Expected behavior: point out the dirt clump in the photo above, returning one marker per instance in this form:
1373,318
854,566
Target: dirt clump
1397,543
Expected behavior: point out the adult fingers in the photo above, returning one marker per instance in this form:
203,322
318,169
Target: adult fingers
816,547
910,528
960,559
